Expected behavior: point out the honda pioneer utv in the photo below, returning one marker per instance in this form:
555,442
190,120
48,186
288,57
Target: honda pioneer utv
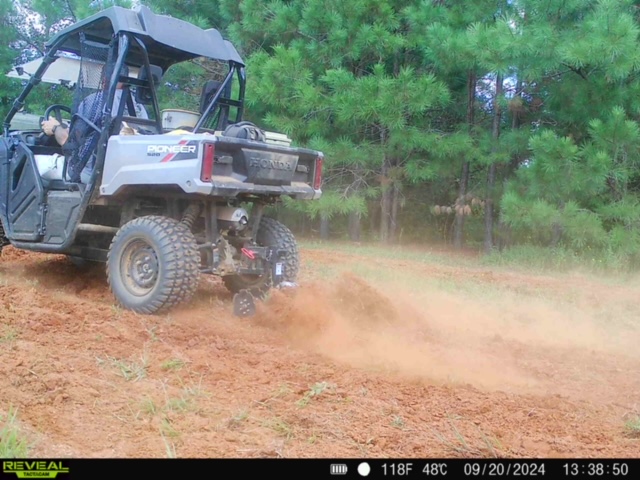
169,195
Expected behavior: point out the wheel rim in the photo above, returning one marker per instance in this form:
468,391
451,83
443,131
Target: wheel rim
139,267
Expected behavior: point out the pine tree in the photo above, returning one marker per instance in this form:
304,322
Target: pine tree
579,186
342,77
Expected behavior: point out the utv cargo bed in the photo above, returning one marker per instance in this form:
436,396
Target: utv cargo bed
227,166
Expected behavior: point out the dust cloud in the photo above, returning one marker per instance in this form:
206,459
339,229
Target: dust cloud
500,342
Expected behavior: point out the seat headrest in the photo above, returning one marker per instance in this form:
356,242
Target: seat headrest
208,91
143,94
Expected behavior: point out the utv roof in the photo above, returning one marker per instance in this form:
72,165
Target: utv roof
168,40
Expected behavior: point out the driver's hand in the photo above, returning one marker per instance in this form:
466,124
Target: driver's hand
49,125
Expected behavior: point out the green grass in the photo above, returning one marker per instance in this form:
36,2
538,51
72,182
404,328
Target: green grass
130,370
560,260
13,443
529,258
461,446
398,422
280,427
169,447
173,364
393,252
8,335
183,402
526,260
632,427
314,391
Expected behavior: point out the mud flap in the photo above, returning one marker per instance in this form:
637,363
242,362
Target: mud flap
278,272
244,304
277,266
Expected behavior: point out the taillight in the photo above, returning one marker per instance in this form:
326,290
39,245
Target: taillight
317,178
207,162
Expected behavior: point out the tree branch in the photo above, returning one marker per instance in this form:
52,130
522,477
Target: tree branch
577,71
29,42
73,15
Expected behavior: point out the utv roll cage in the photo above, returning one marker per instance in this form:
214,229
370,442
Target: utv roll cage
155,42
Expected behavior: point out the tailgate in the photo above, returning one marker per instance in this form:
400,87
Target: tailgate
264,163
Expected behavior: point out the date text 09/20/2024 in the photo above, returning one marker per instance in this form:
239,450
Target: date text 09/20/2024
510,468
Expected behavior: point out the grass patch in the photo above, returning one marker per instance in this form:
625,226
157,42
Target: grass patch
237,419
314,391
169,447
398,422
116,311
8,335
173,364
181,404
393,252
129,370
185,401
149,407
459,445
559,259
531,258
167,429
281,427
13,444
194,390
632,427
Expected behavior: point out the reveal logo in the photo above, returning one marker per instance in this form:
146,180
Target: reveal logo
35,469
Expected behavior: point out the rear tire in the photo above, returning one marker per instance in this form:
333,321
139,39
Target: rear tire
4,241
271,233
153,264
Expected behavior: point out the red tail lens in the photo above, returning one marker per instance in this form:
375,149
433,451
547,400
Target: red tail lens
317,179
207,162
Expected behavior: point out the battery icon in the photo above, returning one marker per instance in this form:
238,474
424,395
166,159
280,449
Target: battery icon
338,469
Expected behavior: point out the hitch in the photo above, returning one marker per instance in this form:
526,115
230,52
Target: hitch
244,301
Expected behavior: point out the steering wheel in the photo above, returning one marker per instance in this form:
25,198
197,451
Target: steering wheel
57,109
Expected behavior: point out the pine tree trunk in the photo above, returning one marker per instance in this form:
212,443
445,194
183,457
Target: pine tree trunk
488,210
385,203
374,211
491,176
515,124
395,202
324,228
354,226
556,234
385,213
458,229
504,229
556,229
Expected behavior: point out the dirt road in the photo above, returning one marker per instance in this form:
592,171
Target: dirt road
370,357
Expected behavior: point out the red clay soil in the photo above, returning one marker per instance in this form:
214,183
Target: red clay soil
334,369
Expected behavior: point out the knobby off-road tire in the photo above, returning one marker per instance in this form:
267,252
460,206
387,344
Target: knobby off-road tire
153,264
271,233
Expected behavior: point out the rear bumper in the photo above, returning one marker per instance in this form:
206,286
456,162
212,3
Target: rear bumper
228,187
